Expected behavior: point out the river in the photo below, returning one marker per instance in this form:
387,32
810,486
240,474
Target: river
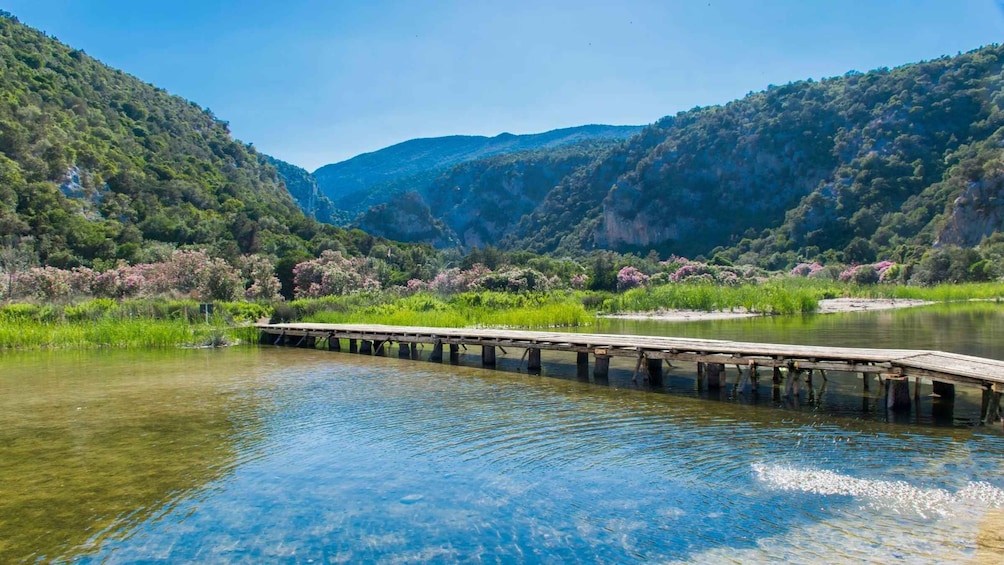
279,454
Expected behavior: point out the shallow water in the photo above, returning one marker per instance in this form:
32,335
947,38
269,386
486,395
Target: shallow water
272,454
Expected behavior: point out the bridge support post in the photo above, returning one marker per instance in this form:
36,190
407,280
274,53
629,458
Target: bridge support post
414,351
655,372
533,360
334,344
601,368
991,404
865,377
403,350
488,355
715,375
582,366
353,346
943,389
365,347
380,349
454,354
437,352
897,393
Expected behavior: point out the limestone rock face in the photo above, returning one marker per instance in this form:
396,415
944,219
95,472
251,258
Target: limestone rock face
977,213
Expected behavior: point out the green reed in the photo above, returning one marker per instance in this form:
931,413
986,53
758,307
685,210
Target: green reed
765,298
136,323
484,309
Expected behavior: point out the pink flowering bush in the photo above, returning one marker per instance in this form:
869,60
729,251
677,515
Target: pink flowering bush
334,274
416,285
260,282
189,273
513,280
860,274
693,272
631,277
888,271
806,269
47,283
578,282
219,280
454,280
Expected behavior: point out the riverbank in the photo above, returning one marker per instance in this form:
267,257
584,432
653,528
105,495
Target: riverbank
825,306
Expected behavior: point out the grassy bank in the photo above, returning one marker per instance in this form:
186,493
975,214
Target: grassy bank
136,323
788,295
492,309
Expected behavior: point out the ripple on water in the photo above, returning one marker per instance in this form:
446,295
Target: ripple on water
360,461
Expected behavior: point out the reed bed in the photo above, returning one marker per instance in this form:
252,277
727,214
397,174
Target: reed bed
472,309
766,298
108,323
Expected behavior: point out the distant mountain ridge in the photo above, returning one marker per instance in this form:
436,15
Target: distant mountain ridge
372,178
884,164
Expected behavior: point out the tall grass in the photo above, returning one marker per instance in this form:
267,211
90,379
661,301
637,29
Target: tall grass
766,298
787,295
473,309
107,323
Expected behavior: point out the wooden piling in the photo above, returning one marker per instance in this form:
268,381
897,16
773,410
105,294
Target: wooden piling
454,354
943,389
897,394
715,375
533,360
601,367
655,372
488,355
366,347
403,350
992,404
334,344
437,352
353,346
379,348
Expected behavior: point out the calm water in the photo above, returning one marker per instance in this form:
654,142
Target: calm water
251,455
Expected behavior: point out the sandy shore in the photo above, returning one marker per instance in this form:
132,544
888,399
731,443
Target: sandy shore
826,306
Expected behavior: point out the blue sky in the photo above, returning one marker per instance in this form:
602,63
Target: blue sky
314,82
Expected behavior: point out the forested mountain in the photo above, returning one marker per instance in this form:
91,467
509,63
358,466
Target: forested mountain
885,163
374,178
477,203
881,163
97,166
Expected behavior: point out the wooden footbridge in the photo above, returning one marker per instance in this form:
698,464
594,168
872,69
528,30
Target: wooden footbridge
788,363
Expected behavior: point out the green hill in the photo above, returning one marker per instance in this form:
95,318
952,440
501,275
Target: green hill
99,166
885,163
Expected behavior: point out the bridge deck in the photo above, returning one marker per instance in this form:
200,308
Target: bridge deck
949,367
